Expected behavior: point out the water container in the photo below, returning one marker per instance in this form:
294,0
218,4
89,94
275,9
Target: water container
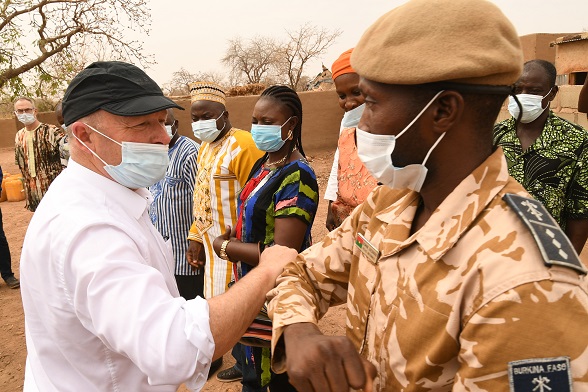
14,188
3,196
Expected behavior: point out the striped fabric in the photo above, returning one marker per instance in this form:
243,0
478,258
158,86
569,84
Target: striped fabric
223,169
290,191
171,210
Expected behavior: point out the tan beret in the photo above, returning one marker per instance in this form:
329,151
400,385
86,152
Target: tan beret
426,41
207,91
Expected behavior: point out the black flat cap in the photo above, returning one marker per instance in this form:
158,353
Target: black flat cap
116,87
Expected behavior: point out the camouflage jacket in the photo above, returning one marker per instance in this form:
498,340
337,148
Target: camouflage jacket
465,303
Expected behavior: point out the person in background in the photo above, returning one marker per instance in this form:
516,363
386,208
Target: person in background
63,144
226,157
5,259
349,182
583,98
277,206
547,154
37,151
454,278
173,205
102,308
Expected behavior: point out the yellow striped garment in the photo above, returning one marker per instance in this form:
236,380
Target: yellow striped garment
223,169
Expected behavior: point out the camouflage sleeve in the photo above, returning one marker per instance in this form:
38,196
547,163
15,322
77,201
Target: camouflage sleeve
314,281
534,328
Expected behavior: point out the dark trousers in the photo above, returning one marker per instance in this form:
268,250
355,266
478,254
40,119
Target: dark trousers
253,372
5,260
190,286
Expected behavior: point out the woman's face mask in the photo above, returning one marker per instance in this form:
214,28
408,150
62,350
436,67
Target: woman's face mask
351,118
532,107
142,165
269,137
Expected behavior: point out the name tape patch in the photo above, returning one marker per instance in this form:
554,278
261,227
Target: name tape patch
540,375
367,248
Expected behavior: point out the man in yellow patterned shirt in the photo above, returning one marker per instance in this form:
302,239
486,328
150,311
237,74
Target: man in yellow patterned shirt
225,160
454,279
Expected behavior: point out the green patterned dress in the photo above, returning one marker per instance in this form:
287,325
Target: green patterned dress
554,169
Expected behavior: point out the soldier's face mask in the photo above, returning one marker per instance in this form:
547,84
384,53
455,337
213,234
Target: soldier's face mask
375,151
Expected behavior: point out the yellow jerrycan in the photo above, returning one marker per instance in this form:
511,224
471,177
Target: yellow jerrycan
14,188
3,196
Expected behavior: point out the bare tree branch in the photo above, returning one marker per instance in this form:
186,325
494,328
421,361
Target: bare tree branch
252,61
305,44
63,30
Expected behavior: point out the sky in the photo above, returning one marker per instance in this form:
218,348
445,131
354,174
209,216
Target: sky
194,34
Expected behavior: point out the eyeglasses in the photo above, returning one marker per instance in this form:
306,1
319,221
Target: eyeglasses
22,111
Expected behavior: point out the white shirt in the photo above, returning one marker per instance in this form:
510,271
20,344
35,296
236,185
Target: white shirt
102,310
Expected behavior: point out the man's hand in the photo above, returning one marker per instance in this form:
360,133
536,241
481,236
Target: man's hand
316,362
330,223
196,255
275,258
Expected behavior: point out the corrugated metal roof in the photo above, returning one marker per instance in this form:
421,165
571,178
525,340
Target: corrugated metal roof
570,38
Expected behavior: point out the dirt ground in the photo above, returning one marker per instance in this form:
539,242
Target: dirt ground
12,337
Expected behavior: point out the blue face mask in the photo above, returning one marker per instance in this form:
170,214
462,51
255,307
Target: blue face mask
269,137
142,165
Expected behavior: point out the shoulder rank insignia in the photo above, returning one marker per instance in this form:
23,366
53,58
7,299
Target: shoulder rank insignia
554,245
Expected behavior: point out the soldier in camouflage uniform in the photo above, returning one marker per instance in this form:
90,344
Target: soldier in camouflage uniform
453,278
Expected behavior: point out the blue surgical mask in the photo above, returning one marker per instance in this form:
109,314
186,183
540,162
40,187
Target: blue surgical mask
206,130
142,165
269,137
26,118
352,117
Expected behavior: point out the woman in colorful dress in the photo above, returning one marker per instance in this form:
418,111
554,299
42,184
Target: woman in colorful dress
277,206
349,182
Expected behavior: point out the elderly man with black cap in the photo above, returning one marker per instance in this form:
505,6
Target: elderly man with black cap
102,309
453,278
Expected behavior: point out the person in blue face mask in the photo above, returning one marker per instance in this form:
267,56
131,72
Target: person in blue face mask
102,307
350,181
277,206
547,154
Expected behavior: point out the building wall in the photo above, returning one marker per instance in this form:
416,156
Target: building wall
321,117
320,126
537,46
572,57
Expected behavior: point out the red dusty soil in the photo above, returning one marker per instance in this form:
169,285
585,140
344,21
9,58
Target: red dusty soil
12,338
